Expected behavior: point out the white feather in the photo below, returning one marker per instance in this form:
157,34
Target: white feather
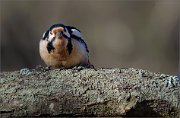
43,34
50,36
76,33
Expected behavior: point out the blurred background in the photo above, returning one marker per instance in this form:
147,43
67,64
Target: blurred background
119,33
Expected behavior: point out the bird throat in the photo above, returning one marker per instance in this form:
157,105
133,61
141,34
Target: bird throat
50,46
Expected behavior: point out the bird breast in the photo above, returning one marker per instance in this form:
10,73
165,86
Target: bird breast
60,56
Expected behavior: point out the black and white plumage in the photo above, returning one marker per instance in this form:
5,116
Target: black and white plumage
63,46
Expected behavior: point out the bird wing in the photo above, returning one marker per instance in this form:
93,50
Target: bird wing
76,34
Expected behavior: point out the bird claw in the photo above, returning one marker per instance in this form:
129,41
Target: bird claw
90,66
83,67
48,68
78,68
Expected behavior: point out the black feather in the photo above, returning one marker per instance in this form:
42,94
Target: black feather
46,35
70,29
80,40
56,25
50,46
69,46
76,37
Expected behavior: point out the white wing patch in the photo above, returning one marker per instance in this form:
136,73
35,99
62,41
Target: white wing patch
76,33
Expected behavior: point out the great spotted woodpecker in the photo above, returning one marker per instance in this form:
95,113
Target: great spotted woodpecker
63,46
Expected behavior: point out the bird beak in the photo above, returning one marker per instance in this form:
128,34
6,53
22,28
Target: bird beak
59,34
58,31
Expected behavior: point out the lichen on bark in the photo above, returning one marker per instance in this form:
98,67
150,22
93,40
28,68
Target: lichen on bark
88,92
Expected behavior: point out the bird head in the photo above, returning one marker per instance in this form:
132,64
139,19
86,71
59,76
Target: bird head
57,36
57,31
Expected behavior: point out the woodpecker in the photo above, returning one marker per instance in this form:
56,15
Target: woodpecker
63,46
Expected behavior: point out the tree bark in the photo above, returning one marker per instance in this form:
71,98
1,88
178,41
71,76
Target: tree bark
88,92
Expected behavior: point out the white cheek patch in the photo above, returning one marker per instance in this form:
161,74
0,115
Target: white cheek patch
76,33
51,36
43,34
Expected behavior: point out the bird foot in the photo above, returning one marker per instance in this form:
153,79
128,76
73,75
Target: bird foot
83,67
